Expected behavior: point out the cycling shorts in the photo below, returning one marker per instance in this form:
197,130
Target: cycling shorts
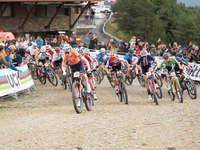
41,61
167,69
145,68
89,75
77,67
58,63
118,67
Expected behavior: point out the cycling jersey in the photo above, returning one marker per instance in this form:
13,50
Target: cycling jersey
73,59
49,51
101,57
89,60
57,57
36,52
106,60
114,63
129,58
168,64
43,57
145,62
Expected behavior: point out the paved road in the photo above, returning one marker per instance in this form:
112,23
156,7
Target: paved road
46,120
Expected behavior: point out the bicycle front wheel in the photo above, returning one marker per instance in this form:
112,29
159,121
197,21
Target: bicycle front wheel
89,102
153,93
63,84
51,75
77,97
178,91
33,72
69,82
97,77
129,80
41,77
191,88
110,79
141,81
159,80
124,96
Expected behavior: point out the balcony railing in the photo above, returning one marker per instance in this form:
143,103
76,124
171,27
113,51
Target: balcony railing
86,21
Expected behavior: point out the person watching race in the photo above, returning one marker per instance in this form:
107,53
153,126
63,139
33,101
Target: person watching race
73,59
116,63
31,50
167,65
57,61
145,61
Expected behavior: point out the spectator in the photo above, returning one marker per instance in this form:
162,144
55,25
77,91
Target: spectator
18,41
98,45
87,13
1,41
72,42
109,48
158,50
9,52
140,45
7,42
26,41
46,41
92,16
61,36
63,42
55,43
20,58
39,41
93,42
31,40
153,50
111,41
174,52
121,47
179,49
136,49
195,57
164,49
2,60
190,46
103,45
82,45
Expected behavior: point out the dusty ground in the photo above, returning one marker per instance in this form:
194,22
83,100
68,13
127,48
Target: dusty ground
46,119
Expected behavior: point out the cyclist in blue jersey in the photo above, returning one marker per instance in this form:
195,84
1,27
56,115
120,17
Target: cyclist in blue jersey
101,56
145,61
184,61
129,58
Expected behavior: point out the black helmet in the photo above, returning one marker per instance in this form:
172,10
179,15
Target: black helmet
179,55
165,55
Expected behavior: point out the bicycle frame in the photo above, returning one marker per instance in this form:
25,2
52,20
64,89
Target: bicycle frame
149,75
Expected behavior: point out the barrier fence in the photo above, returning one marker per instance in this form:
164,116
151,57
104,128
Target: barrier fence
12,82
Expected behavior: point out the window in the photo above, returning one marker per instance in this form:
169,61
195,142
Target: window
62,11
8,12
41,10
51,10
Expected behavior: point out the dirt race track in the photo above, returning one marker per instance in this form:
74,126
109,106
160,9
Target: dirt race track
46,119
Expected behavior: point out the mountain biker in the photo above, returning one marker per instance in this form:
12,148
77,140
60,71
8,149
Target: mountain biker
57,61
145,60
101,56
116,63
86,53
31,50
36,52
167,65
183,61
73,59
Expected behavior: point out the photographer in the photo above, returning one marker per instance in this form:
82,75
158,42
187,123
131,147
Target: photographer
194,57
20,58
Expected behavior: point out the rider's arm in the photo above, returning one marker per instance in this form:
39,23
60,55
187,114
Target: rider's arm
107,65
64,66
86,61
36,60
136,69
98,57
106,54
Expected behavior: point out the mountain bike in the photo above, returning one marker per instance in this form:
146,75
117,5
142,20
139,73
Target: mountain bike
44,72
79,93
122,94
132,76
175,87
32,69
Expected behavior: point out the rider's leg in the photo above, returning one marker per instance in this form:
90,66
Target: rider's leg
59,75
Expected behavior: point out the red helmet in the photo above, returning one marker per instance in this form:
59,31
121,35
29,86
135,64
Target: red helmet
112,56
57,49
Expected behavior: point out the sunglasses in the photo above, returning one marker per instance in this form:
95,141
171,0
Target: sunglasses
67,53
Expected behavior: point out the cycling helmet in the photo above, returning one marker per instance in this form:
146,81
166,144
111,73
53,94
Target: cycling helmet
112,56
12,47
143,53
165,55
67,47
131,50
180,55
87,51
184,48
47,47
76,49
34,45
178,59
57,49
50,47
43,49
39,46
102,50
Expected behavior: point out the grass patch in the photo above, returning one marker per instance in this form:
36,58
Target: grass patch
112,28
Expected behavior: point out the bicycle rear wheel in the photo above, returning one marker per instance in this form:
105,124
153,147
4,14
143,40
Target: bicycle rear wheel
153,92
33,72
110,79
124,96
63,84
191,88
159,80
97,77
101,74
129,80
51,75
141,81
75,92
159,92
178,91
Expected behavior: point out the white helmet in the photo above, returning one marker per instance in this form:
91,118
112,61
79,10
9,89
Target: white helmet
67,47
76,49
34,44
87,50
43,49
102,50
143,53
